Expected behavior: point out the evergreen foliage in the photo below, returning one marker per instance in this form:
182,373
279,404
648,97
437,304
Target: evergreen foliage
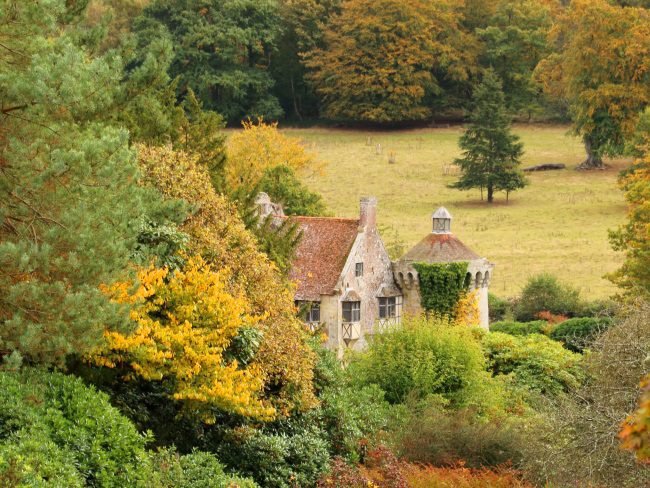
442,285
70,203
55,431
520,328
222,51
491,153
284,187
578,333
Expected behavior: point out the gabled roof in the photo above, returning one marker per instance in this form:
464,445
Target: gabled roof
321,254
440,248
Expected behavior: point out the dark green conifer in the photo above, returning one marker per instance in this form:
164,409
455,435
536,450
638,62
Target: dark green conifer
491,153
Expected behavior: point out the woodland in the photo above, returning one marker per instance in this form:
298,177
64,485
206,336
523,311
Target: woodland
148,331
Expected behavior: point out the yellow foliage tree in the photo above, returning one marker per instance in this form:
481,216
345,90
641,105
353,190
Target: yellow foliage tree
600,68
184,324
260,146
467,311
219,236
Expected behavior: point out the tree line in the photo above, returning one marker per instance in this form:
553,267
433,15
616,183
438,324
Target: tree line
395,62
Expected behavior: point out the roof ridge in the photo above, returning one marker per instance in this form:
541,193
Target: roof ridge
309,217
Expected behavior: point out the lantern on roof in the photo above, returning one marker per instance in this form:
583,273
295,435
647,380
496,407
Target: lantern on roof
441,221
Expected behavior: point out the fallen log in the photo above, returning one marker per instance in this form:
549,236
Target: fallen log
545,167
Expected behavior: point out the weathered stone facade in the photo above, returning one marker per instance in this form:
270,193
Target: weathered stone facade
347,285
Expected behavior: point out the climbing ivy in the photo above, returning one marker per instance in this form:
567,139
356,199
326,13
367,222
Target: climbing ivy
442,285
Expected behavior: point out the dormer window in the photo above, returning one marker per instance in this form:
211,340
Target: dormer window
358,270
351,311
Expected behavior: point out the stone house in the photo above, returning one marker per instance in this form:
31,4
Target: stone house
346,284
344,277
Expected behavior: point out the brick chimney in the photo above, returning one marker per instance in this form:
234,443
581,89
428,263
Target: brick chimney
368,213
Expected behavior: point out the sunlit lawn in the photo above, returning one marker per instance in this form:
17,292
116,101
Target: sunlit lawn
558,224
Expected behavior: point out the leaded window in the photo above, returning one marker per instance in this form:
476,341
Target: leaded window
351,311
387,307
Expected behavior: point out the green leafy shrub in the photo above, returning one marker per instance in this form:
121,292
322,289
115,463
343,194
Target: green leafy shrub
544,293
422,356
56,431
441,285
498,307
349,412
537,362
281,456
197,470
520,328
282,185
578,333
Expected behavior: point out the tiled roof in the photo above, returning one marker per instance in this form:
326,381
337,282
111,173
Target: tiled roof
321,254
440,248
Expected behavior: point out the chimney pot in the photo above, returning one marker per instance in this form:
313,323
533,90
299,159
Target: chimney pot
368,212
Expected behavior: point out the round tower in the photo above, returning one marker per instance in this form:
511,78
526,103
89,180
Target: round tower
441,246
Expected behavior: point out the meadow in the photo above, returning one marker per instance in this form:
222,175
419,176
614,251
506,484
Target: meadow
558,224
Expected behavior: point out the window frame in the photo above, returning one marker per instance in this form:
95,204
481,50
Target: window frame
386,307
358,270
353,312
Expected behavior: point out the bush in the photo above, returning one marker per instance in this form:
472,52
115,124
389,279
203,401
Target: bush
498,308
538,363
57,431
196,470
545,293
459,476
434,435
423,357
292,455
520,328
381,469
579,333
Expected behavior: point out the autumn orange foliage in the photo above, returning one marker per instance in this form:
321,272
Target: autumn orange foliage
184,323
635,432
461,477
219,236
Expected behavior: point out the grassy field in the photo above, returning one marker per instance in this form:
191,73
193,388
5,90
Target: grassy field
558,224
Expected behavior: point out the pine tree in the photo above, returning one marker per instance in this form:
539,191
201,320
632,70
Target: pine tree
70,206
491,153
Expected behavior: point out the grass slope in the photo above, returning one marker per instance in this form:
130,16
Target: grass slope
558,224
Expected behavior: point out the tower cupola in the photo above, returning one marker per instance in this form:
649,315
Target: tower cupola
441,221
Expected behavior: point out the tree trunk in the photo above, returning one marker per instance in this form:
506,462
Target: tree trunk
481,192
295,102
593,161
490,194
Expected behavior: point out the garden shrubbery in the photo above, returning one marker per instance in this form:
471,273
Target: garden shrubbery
520,328
544,293
422,357
538,363
576,334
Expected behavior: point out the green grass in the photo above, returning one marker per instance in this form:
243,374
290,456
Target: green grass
558,224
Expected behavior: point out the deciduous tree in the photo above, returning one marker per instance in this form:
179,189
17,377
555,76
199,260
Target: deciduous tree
378,59
600,67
